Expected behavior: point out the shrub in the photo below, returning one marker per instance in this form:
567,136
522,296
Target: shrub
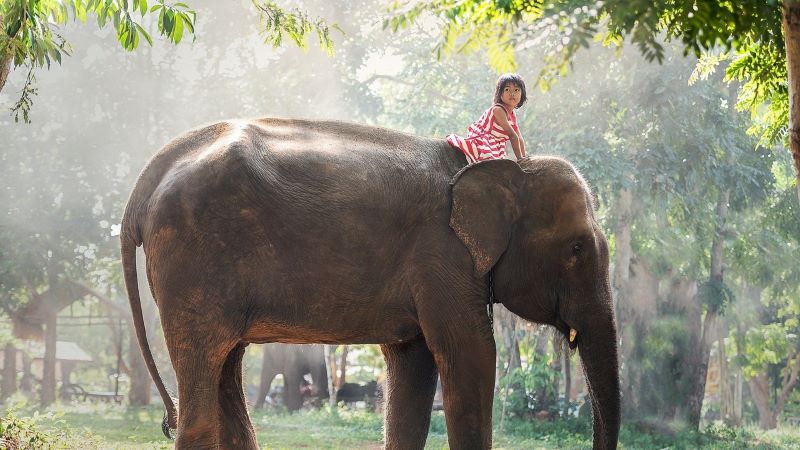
23,433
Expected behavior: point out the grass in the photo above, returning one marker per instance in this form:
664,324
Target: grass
92,426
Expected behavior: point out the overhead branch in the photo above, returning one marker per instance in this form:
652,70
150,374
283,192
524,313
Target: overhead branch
114,305
789,380
5,67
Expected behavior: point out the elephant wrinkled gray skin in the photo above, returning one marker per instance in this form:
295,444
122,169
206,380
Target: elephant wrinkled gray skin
293,362
326,232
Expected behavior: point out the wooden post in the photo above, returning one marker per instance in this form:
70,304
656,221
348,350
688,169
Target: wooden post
48,394
119,358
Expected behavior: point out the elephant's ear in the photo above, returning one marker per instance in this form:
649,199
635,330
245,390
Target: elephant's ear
485,206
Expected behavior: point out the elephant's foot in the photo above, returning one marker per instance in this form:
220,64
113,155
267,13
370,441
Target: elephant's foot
410,385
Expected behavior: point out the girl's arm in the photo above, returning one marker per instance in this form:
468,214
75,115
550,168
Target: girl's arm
516,142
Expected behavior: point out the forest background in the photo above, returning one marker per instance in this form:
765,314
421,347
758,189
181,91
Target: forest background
701,213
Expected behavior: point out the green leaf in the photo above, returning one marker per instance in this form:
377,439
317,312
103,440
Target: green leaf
145,34
188,21
178,34
169,22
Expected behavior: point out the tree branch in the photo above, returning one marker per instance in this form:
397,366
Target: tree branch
102,298
789,380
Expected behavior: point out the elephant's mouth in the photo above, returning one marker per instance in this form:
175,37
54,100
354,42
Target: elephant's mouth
570,334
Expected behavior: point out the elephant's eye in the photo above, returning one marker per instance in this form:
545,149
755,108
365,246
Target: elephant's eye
577,248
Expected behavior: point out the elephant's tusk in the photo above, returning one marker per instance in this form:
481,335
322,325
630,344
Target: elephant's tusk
572,334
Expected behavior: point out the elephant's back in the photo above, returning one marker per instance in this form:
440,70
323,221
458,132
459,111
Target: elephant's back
339,138
271,147
281,172
159,167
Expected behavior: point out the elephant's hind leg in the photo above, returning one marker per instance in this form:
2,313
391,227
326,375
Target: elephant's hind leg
410,386
235,430
198,372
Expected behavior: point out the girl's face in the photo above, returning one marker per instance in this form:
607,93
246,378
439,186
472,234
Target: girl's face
511,95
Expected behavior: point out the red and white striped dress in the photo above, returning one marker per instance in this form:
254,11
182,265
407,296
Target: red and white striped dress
485,139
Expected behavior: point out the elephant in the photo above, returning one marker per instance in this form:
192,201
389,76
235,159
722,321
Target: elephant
298,231
293,362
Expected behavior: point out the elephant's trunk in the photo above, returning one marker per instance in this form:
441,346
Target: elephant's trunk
598,350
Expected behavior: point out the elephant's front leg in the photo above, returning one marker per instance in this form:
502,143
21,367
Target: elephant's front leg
410,386
464,350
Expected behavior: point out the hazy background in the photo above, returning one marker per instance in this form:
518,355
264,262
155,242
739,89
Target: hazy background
703,224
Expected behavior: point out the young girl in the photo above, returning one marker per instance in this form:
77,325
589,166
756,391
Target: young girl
488,135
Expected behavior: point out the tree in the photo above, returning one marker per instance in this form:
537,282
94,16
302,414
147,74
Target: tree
767,307
64,190
29,34
753,29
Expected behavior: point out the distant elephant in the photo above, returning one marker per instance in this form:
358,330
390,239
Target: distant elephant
298,231
293,362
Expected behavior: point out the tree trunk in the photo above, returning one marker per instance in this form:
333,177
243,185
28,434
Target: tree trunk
330,361
26,383
623,254
567,383
738,387
512,393
543,395
718,245
791,33
9,385
700,368
759,389
788,381
343,368
726,403
752,296
5,68
139,392
508,329
48,394
623,250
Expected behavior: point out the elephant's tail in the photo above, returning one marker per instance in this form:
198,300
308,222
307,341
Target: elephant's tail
128,248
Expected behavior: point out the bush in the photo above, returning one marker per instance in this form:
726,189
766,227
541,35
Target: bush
23,433
438,424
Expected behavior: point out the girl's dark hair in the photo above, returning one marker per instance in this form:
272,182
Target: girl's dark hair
506,79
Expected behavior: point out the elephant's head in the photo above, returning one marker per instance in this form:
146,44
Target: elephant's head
533,223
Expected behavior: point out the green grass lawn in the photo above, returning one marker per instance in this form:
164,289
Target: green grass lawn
91,426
